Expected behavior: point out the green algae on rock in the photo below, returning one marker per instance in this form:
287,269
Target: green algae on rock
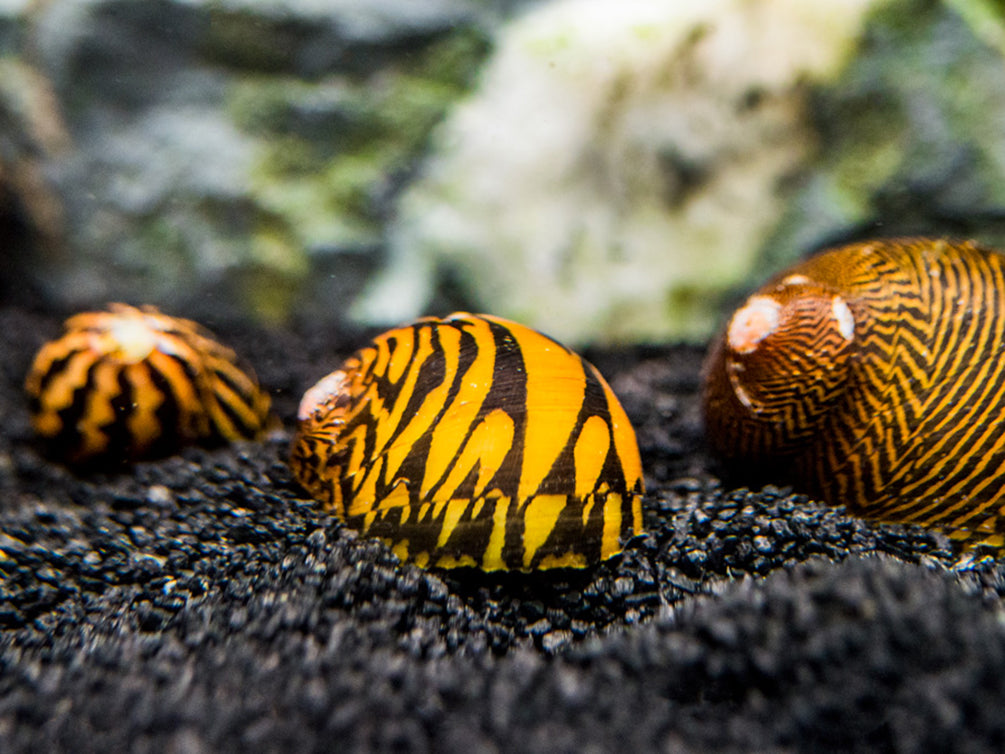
230,149
910,135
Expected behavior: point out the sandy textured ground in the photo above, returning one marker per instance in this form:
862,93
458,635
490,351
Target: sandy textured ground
202,603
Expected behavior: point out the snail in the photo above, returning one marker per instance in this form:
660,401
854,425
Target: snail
872,375
127,384
473,441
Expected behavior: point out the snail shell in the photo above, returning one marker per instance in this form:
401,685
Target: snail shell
473,441
131,383
873,376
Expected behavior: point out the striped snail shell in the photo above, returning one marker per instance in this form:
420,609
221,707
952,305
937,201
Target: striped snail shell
128,383
873,376
473,441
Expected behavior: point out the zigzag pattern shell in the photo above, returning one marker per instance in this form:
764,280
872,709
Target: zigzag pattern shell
873,375
473,441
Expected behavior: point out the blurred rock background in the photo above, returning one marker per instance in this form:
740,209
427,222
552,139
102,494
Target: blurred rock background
607,172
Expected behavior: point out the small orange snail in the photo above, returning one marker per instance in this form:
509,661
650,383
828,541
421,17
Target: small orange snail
473,441
873,375
128,383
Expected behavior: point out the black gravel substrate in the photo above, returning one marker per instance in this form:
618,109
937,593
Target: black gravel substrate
202,603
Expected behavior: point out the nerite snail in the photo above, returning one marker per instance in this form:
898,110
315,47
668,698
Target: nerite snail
473,441
873,375
131,383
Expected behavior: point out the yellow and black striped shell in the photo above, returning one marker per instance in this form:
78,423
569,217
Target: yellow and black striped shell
873,375
473,441
128,383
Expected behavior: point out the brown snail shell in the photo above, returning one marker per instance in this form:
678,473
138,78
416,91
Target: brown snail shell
127,384
473,441
872,376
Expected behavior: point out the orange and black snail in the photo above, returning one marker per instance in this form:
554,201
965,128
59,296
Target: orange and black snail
473,441
873,376
128,383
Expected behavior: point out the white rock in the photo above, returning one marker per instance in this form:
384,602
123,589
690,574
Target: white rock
619,165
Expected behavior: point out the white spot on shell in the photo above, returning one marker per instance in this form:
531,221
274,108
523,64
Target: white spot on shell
751,324
844,318
134,337
795,280
742,396
320,394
